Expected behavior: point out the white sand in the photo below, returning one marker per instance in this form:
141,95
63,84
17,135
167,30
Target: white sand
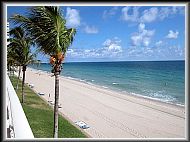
110,114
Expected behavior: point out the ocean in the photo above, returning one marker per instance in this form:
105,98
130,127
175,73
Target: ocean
158,80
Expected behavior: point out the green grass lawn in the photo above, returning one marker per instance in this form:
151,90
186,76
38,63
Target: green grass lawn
40,116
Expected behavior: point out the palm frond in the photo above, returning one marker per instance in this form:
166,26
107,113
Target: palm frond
46,26
19,47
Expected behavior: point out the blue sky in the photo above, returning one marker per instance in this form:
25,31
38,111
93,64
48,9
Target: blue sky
122,33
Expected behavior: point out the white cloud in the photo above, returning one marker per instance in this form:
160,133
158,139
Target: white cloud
111,48
69,50
141,27
174,52
73,52
109,13
172,35
91,30
165,12
114,48
176,9
158,43
156,53
72,17
134,17
107,42
149,15
142,37
136,40
112,45
146,41
109,51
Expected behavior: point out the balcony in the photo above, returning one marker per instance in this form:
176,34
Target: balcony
17,125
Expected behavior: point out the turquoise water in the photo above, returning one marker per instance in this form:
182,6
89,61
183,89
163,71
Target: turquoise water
160,80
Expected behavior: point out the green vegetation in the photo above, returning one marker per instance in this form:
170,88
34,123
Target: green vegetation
19,51
40,116
47,27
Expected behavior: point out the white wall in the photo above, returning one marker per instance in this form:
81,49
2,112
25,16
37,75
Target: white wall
20,123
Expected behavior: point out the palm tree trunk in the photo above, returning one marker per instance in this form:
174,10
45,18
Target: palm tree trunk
18,77
13,70
23,79
10,70
56,104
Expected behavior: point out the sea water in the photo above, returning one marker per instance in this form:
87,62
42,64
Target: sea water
159,80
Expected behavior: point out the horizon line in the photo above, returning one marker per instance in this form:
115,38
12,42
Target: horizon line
120,61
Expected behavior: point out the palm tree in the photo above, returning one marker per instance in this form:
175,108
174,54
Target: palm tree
10,61
46,25
11,56
19,71
19,46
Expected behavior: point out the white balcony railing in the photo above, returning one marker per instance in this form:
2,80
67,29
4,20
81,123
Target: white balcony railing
16,122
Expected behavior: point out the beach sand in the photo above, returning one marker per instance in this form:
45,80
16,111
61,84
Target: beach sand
111,114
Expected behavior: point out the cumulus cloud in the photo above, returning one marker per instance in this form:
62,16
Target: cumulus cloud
167,11
112,45
153,53
141,27
108,42
72,17
109,13
110,48
142,37
133,17
154,13
149,15
172,52
163,52
146,41
172,34
158,43
90,29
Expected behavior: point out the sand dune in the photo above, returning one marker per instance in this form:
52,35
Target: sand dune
111,114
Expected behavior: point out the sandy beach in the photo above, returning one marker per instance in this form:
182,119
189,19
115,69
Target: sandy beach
111,114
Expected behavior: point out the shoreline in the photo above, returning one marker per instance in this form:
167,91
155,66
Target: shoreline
115,90
108,113
141,97
124,92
